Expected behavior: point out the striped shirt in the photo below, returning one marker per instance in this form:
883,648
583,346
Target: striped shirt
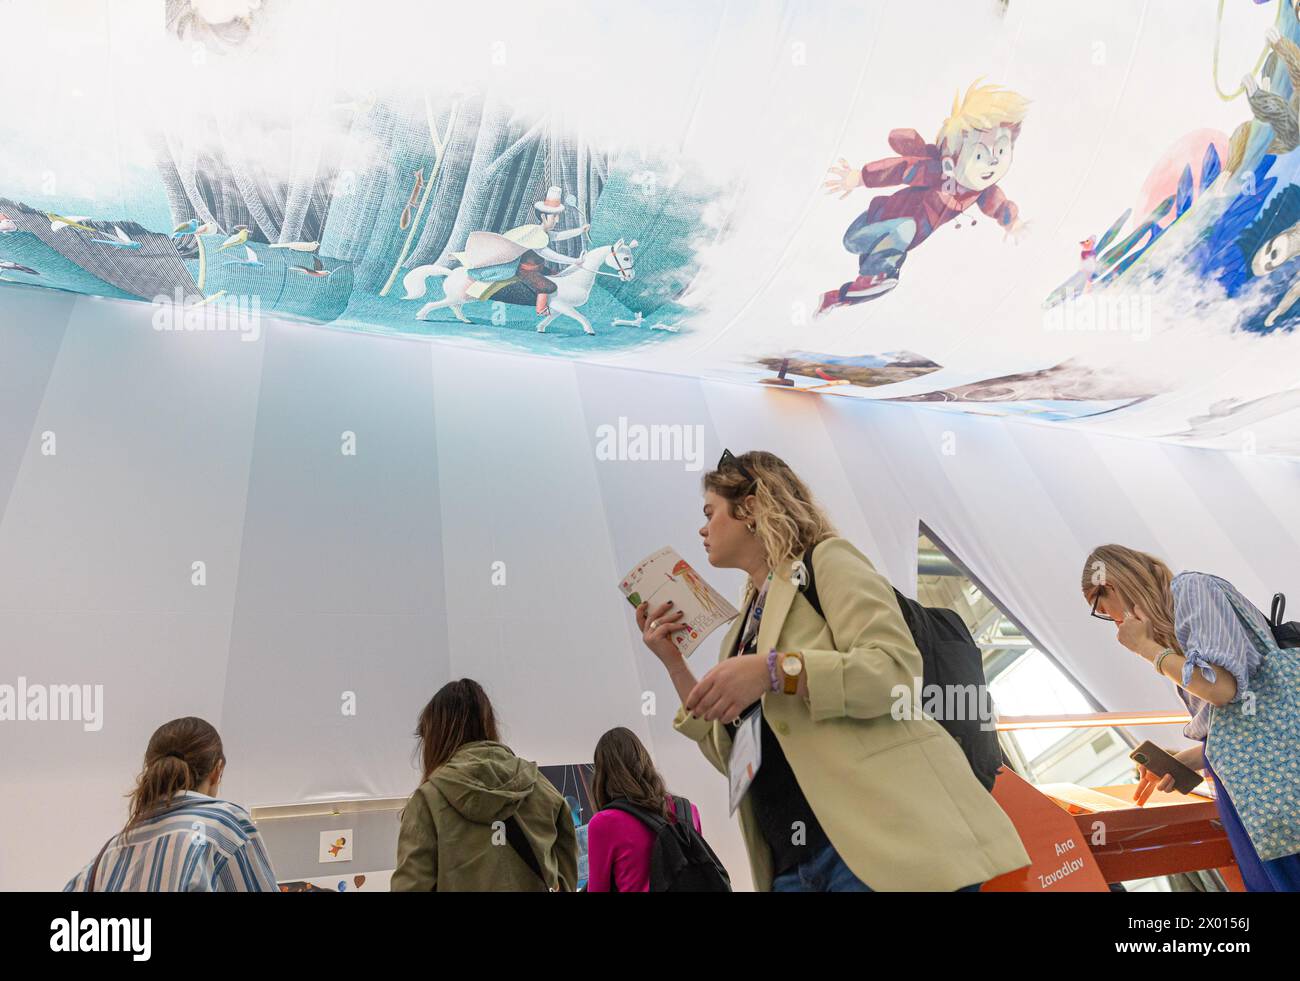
1212,636
194,844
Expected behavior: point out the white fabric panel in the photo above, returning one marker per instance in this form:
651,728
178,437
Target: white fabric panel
29,344
340,580
519,487
96,546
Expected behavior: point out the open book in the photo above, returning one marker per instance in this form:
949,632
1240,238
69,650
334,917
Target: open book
664,575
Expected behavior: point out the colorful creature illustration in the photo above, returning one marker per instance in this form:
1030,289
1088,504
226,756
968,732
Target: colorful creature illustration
573,286
186,228
7,224
1088,255
195,226
1273,254
1282,115
239,237
971,154
316,269
337,847
250,258
6,266
58,221
120,240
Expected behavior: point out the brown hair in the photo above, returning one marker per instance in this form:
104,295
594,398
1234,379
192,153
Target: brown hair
460,713
786,518
181,754
1140,580
623,768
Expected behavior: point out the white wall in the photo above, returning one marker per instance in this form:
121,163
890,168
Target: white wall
372,574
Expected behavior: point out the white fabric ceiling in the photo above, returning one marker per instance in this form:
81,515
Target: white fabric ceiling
362,132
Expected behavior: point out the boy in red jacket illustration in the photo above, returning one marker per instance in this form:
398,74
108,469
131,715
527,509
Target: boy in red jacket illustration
962,167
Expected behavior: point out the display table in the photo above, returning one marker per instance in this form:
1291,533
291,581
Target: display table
1079,839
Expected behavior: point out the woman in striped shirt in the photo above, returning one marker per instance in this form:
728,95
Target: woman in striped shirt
1188,627
180,837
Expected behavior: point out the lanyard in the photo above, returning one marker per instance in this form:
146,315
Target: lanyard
750,633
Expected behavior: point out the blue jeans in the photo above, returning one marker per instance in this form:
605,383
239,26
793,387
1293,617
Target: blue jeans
826,872
881,246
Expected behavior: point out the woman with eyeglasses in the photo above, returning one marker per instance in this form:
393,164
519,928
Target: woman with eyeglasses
1199,632
841,796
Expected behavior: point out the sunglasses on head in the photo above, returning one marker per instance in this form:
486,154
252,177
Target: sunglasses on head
728,459
1097,599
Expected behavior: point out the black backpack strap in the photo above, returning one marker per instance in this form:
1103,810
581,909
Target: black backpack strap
810,587
656,822
682,807
1279,610
519,842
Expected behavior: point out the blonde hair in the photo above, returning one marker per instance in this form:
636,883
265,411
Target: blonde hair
984,107
1140,580
785,517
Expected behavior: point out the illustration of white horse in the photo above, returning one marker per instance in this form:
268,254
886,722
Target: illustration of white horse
573,285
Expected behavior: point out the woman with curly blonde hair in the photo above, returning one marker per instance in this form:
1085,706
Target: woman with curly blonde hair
844,796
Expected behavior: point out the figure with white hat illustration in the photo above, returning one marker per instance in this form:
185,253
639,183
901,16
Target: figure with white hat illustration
530,263
495,261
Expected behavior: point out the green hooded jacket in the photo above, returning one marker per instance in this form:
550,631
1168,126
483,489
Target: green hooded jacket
453,838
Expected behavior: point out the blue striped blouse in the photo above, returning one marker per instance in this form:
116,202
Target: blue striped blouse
1212,636
195,844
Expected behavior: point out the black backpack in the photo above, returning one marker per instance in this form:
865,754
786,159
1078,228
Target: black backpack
682,860
1286,634
949,656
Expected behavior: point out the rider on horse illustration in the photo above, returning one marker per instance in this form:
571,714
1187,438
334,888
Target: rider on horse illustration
493,261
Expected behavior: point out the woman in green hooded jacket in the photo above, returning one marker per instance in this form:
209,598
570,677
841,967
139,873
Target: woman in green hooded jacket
482,820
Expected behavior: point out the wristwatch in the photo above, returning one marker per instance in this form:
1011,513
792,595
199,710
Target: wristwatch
791,666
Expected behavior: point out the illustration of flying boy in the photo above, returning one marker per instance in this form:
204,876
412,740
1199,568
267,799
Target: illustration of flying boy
962,167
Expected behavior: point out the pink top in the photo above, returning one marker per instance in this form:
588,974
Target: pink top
619,846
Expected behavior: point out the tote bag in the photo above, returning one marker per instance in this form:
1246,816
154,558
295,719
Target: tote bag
1254,746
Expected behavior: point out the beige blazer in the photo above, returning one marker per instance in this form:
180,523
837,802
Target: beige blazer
896,797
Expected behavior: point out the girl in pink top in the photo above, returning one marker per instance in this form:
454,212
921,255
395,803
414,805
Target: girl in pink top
619,845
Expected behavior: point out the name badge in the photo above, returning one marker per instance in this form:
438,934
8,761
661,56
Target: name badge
746,755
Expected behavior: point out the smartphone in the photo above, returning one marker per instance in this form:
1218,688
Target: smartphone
1162,764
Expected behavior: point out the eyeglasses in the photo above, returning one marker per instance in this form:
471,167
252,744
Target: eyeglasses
728,459
1095,601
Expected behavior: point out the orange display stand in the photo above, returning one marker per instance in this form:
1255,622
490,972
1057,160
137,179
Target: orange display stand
1060,859
1076,849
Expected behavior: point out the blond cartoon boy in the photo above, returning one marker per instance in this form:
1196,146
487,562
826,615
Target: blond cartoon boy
962,167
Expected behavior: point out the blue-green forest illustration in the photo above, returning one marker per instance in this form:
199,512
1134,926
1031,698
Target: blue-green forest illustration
468,223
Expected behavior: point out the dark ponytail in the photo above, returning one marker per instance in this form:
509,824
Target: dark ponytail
180,756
